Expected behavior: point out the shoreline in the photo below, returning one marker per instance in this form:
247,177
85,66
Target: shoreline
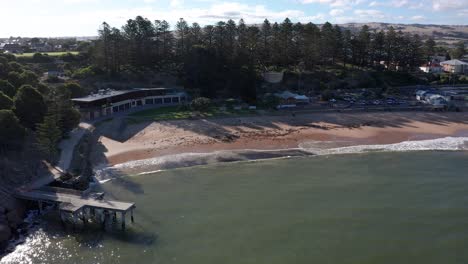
168,143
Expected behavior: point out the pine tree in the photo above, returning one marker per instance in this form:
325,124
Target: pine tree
48,134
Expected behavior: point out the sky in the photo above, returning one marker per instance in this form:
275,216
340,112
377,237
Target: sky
58,18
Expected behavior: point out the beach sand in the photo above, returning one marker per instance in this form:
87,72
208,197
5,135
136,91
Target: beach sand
119,142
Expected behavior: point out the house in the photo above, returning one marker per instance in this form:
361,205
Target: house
431,67
289,98
108,102
11,48
455,66
42,47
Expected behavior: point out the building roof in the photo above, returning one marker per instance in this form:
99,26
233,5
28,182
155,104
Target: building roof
454,62
108,93
102,95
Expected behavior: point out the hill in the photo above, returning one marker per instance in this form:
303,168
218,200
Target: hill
445,35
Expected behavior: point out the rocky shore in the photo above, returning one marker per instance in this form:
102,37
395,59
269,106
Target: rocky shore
12,215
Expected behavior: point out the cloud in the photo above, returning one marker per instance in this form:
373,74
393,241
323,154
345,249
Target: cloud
336,12
399,4
440,5
417,18
335,3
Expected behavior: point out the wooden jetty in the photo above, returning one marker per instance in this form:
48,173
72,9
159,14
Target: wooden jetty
78,205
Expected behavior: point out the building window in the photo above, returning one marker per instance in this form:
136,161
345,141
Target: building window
158,101
149,101
175,100
167,100
127,106
115,109
121,107
139,103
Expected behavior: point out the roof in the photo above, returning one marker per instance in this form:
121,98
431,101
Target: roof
95,97
104,94
454,62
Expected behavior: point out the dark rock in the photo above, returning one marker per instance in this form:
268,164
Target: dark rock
14,219
5,233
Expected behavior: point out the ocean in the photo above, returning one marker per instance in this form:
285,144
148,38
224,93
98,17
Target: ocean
400,203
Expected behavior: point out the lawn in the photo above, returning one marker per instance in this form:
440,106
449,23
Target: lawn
176,112
52,54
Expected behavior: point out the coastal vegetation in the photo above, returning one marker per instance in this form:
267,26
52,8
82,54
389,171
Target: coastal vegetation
228,58
34,115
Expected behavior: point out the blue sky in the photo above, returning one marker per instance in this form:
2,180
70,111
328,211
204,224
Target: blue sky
48,18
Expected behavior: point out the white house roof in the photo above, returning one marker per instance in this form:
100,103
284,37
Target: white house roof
454,62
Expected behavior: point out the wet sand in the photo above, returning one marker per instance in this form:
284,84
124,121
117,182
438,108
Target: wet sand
119,141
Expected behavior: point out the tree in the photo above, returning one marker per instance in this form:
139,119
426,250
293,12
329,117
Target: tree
12,132
328,43
15,79
7,88
182,32
200,104
459,51
5,101
29,77
73,89
429,48
29,106
265,44
68,117
48,134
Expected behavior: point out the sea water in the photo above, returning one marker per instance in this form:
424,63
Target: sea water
370,207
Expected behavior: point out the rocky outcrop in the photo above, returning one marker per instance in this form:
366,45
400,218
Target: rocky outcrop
12,214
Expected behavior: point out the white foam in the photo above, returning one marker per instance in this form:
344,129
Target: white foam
105,174
440,144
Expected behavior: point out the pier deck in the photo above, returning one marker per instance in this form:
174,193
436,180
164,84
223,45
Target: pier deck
75,201
76,204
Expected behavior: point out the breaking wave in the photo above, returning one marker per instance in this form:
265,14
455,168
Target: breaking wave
312,148
440,144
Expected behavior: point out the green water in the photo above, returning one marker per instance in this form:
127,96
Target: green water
360,208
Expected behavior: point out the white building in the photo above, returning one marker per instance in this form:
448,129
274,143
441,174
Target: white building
108,102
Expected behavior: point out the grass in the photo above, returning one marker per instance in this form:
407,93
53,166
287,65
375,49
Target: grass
51,54
175,113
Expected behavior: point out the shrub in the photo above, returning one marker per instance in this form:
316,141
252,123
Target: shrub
200,104
270,101
83,73
327,95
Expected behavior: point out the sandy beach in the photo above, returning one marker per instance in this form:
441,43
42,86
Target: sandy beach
119,141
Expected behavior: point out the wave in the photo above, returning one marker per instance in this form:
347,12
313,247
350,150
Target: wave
439,144
311,148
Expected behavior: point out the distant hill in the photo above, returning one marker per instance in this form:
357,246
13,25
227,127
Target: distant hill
443,34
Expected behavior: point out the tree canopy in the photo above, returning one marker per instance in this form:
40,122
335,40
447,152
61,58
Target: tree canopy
7,88
5,101
12,132
29,106
227,49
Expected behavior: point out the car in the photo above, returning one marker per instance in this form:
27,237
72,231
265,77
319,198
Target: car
376,102
332,100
